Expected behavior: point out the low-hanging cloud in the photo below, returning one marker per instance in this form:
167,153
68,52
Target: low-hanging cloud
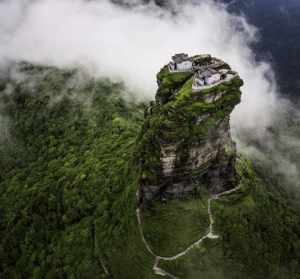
131,44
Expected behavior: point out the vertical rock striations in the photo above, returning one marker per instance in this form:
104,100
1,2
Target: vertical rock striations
185,142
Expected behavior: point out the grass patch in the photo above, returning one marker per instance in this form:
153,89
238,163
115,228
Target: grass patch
170,228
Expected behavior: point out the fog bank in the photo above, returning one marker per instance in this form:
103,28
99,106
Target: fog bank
132,44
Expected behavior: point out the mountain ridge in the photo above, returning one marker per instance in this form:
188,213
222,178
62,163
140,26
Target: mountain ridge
68,181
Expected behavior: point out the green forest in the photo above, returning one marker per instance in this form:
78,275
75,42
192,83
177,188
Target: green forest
69,173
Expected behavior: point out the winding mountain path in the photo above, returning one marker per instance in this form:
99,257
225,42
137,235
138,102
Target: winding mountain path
210,234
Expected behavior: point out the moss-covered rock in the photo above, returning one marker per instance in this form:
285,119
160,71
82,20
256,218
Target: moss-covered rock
186,135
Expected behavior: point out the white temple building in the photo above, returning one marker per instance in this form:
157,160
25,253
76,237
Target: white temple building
181,63
205,78
212,78
208,71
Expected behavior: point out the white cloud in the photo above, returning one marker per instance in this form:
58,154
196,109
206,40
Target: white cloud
132,44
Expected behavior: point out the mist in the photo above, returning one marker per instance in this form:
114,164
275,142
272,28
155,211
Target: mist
131,44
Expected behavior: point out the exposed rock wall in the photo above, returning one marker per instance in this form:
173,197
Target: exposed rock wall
186,142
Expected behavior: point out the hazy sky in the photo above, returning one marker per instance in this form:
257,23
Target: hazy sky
132,44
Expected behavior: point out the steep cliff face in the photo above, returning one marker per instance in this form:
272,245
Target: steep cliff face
186,141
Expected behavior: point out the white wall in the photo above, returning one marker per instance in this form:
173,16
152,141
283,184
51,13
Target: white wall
183,66
213,79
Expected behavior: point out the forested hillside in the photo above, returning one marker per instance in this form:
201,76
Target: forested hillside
69,173
66,173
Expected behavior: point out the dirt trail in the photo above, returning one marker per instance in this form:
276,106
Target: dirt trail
210,234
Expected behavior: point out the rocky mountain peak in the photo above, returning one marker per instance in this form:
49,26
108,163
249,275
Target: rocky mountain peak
185,143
